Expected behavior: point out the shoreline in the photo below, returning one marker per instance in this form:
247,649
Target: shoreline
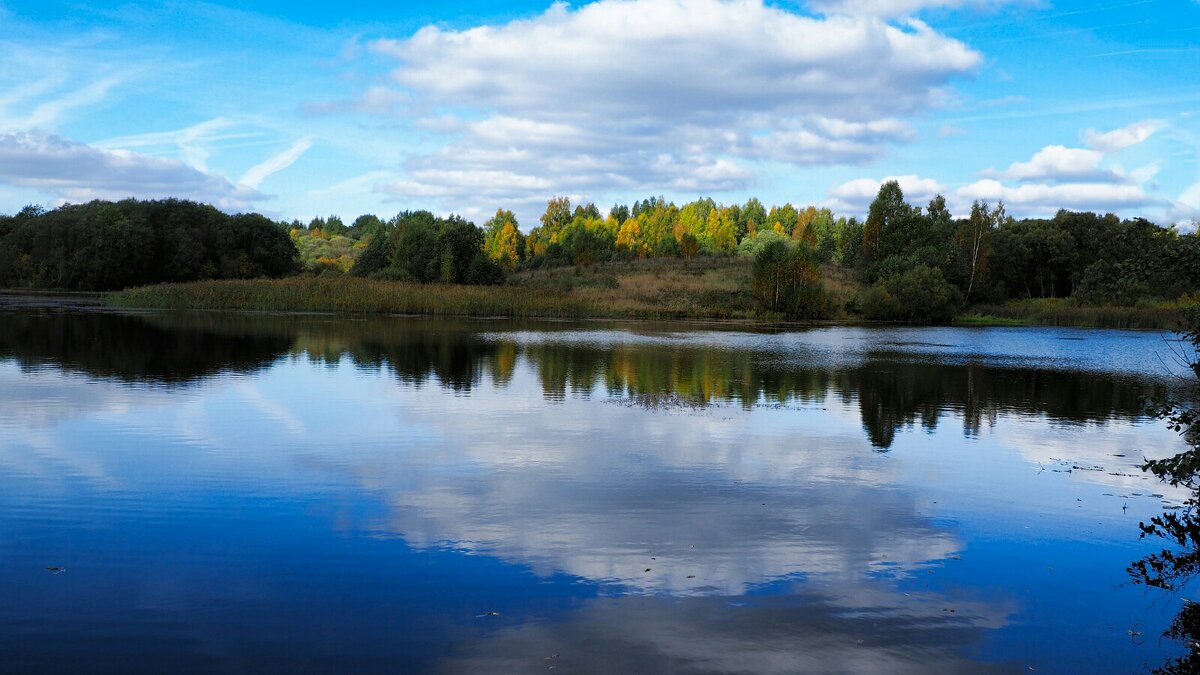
145,299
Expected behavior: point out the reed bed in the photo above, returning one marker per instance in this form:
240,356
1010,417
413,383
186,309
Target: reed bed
635,296
701,289
1065,312
351,295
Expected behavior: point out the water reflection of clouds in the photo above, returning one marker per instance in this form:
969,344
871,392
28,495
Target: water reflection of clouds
734,496
584,488
38,407
693,513
871,631
1104,454
608,492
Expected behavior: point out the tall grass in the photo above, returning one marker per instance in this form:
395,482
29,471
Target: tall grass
658,289
702,289
639,295
352,295
1065,312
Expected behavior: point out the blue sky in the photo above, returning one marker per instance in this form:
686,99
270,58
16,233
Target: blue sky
298,109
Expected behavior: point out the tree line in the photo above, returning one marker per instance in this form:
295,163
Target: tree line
914,263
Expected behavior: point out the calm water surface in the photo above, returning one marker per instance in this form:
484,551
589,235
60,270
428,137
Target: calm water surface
265,494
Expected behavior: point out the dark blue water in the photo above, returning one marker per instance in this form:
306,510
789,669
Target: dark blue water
268,494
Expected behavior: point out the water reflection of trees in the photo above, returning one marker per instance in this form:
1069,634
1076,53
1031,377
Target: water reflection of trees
892,393
131,348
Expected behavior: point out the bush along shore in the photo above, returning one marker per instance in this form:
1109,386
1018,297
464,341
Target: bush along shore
702,260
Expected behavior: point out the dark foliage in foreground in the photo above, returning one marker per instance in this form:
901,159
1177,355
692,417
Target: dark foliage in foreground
1177,565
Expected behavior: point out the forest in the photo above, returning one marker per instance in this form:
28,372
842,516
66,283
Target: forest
907,262
101,246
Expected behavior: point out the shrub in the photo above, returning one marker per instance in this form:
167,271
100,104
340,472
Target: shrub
483,271
920,295
787,280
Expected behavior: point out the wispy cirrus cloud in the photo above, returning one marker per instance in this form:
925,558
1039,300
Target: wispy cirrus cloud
274,164
1119,139
193,141
50,111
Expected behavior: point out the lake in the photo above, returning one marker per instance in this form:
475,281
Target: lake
257,493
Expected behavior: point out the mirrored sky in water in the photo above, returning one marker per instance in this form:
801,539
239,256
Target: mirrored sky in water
309,494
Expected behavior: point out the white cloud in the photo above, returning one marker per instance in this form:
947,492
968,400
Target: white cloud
856,195
1043,198
1119,139
1059,177
592,99
78,172
1055,177
1058,163
1191,196
1185,211
259,172
691,58
1141,174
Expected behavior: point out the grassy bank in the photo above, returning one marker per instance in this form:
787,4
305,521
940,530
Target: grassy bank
349,295
1064,312
638,289
653,289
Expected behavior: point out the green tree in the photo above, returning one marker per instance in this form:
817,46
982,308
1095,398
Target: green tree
887,213
786,279
752,216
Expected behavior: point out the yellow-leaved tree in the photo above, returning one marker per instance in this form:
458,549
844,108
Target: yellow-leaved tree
502,239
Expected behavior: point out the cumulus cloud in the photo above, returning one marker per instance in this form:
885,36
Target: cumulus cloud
1060,177
1059,163
1055,177
856,195
648,95
1036,198
1119,139
78,172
